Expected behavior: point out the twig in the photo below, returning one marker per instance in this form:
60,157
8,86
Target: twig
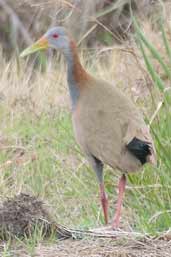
16,147
157,215
156,112
6,164
100,232
86,34
129,50
18,161
107,29
147,186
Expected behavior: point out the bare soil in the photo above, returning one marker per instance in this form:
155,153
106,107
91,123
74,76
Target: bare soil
106,248
19,216
98,248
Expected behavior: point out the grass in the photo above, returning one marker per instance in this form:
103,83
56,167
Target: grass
39,154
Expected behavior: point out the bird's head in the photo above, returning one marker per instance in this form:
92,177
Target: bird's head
56,37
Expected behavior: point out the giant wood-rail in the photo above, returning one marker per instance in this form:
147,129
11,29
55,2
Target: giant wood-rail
108,126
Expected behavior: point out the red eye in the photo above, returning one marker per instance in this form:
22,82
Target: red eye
55,35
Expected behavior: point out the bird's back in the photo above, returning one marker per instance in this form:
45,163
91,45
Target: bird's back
105,121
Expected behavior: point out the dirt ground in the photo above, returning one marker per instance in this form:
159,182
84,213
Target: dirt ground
20,215
98,248
106,248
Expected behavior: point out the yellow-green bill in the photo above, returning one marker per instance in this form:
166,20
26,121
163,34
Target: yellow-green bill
41,44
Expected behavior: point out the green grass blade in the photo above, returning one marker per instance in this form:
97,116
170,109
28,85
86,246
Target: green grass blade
156,78
162,153
166,43
151,48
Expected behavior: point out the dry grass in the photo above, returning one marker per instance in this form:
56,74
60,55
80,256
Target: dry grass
27,87
102,21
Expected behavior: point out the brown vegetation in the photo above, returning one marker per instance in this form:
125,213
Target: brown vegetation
94,22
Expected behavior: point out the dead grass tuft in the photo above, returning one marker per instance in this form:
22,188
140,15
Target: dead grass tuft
20,215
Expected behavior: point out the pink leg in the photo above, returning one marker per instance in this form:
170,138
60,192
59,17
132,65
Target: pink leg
104,202
121,187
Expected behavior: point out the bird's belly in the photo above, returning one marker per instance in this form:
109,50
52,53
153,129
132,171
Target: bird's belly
99,139
105,142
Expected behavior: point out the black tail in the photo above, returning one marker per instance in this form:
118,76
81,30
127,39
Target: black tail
140,149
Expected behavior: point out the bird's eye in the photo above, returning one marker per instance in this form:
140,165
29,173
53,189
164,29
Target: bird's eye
55,35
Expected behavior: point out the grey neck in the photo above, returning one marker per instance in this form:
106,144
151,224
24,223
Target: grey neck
72,84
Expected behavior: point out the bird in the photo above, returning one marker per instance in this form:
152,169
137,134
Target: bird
107,124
